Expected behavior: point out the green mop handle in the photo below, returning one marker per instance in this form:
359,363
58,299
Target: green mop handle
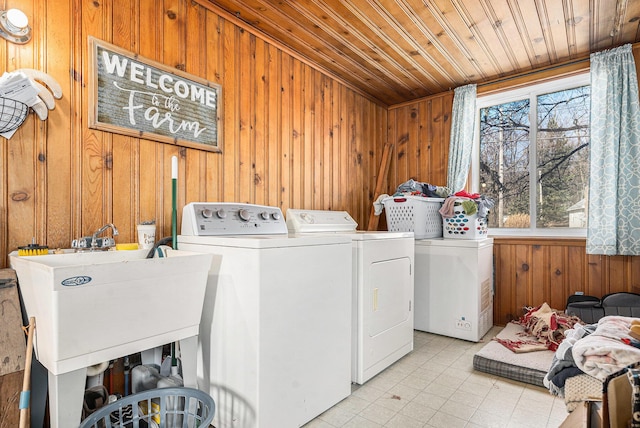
174,228
174,210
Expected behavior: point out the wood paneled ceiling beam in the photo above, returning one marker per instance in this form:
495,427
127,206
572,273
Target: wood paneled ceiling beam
455,38
616,31
478,36
527,40
543,16
371,79
351,30
630,22
570,27
393,44
502,37
401,50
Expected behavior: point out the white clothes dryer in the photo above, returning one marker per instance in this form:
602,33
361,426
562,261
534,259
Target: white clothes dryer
274,343
382,286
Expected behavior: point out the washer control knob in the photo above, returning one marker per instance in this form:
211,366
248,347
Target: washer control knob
264,215
244,215
221,213
275,215
207,213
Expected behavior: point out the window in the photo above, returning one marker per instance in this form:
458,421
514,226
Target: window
538,175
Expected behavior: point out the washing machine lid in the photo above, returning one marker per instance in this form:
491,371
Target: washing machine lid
361,235
459,243
308,221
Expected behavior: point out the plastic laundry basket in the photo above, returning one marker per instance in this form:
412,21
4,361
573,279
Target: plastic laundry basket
464,226
415,214
169,407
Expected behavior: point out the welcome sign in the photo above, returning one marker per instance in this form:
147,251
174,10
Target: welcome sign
139,97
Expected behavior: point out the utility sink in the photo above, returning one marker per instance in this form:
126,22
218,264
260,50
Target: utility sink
91,307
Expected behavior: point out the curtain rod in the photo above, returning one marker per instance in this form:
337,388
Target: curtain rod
586,58
534,72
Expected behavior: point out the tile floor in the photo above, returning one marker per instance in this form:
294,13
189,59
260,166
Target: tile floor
436,386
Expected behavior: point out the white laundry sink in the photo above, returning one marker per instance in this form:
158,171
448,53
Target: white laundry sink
92,307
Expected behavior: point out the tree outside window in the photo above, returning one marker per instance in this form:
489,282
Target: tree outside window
537,175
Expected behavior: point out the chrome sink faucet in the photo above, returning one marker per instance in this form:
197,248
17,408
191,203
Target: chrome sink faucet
93,243
94,240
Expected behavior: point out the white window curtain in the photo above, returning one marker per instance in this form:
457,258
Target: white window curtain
614,185
461,142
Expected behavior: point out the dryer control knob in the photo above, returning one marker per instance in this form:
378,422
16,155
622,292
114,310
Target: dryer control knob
207,213
221,213
275,215
264,215
244,215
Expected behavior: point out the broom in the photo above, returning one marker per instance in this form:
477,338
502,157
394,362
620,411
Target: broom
26,393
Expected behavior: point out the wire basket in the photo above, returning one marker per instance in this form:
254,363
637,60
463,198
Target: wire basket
160,407
12,114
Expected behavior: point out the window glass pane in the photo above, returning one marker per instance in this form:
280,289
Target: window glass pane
562,151
504,162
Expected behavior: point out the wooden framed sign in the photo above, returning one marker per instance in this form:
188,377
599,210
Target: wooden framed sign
135,96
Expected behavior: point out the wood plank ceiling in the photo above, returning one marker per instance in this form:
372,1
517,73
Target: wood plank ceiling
400,50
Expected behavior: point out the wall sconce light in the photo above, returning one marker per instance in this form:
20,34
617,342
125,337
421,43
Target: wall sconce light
14,26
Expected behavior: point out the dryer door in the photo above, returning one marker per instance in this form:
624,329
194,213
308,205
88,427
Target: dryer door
390,294
387,302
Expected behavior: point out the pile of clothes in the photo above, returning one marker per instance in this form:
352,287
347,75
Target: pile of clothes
598,350
416,188
472,203
412,188
544,329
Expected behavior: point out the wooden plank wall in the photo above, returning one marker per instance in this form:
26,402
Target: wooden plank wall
292,136
420,134
531,271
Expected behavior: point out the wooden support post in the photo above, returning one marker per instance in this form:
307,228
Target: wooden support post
380,183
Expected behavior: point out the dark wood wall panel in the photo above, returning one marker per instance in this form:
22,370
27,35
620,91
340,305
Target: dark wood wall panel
420,134
530,271
292,136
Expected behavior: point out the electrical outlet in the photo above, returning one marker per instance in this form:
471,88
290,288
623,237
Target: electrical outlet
463,324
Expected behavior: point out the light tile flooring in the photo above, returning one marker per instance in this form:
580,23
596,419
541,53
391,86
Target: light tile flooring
436,386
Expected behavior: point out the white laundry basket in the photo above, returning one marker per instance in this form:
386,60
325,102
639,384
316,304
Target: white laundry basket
415,214
464,226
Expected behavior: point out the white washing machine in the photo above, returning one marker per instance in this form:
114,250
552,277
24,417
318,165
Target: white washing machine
382,277
274,343
454,287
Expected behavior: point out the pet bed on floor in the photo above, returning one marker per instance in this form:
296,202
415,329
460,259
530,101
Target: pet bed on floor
529,367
